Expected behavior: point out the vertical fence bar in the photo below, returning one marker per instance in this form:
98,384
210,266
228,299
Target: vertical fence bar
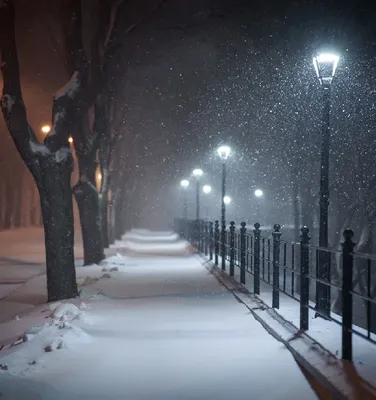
223,246
276,254
206,240
256,261
304,280
232,248
211,239
347,276
243,231
216,242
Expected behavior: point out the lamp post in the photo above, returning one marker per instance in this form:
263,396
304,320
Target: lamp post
206,189
184,184
197,173
224,153
325,66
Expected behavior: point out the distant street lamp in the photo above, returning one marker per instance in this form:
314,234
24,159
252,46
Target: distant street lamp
206,189
227,200
184,184
70,139
45,129
224,153
197,173
259,193
325,66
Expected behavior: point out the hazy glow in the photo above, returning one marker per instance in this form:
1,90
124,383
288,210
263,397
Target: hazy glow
46,129
227,200
259,193
184,183
99,176
197,172
70,139
224,152
325,66
206,189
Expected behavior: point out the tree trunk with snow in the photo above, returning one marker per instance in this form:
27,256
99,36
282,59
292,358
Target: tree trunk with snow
57,212
87,200
49,163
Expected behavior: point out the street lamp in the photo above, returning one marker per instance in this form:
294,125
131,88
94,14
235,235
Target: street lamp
45,129
197,173
184,184
325,66
227,199
224,153
206,189
259,193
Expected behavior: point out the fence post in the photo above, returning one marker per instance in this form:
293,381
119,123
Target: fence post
347,286
243,231
232,248
223,246
206,237
211,238
276,253
202,235
216,242
304,280
256,260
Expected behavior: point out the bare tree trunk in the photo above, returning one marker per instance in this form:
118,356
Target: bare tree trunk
86,195
57,210
104,218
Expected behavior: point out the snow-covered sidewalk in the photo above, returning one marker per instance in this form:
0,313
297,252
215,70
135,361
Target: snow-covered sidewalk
147,326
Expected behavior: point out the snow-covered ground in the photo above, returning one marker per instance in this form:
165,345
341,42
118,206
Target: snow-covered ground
327,333
147,326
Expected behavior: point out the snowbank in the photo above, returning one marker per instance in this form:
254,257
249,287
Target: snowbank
161,238
173,248
59,332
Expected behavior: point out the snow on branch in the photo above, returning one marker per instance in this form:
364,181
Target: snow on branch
70,88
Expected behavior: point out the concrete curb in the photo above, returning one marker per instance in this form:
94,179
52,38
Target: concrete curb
339,377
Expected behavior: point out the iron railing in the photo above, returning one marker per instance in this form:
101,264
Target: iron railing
290,268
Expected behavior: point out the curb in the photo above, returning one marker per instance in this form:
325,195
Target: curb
339,377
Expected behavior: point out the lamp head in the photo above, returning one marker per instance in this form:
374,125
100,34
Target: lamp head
325,66
206,189
224,152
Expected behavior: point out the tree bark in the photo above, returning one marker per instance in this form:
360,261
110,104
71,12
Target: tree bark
104,218
86,195
57,210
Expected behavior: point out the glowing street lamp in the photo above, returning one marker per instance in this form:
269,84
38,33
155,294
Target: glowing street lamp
325,66
184,184
224,153
259,193
206,189
197,173
70,139
227,199
45,129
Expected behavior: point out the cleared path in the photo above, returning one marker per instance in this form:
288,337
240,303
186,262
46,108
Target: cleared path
165,329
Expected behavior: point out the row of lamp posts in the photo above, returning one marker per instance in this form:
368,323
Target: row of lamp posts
325,65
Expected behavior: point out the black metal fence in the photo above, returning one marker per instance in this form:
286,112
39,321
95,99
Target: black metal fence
290,268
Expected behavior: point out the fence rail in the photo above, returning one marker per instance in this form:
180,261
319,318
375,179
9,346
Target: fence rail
290,268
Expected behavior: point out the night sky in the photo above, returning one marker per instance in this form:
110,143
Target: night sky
199,73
